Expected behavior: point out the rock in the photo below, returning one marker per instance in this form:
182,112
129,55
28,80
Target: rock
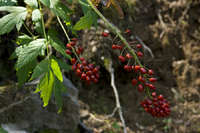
30,116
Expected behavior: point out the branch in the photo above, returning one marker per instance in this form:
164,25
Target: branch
118,106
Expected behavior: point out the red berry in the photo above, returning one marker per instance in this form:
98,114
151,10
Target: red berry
151,86
68,52
74,39
73,43
83,76
134,82
137,67
127,67
140,54
119,47
150,72
139,46
140,88
95,80
122,58
73,61
68,46
74,67
95,70
127,31
84,62
105,34
143,71
141,79
78,72
87,78
114,46
82,59
152,79
80,49
153,94
160,97
128,56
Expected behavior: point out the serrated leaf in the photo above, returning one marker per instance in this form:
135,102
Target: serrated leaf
24,72
28,53
36,15
85,21
41,68
32,3
56,69
57,44
7,2
45,87
16,17
58,87
24,39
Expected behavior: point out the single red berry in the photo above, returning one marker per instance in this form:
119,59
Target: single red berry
139,46
141,79
68,45
68,52
80,49
151,86
128,56
127,31
152,79
105,34
140,54
73,43
114,46
140,88
84,62
73,61
83,76
95,70
119,47
82,59
127,67
122,58
160,97
87,78
74,39
134,82
153,94
137,67
143,71
150,72
78,71
74,67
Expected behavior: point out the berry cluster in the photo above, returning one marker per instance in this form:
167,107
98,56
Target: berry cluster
86,71
158,106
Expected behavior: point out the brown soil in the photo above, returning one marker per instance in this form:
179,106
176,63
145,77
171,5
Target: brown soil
171,28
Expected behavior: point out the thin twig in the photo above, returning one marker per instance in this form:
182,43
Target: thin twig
145,46
118,106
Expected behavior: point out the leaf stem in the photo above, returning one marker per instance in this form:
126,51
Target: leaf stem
63,28
28,30
43,27
116,31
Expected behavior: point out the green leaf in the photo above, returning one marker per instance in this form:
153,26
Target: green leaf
32,3
24,73
41,68
28,53
36,15
63,65
56,69
86,21
2,130
23,39
7,2
57,44
85,6
45,87
16,17
58,87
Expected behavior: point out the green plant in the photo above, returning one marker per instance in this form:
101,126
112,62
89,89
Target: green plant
39,43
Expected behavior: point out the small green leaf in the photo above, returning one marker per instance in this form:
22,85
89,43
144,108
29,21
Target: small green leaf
2,130
41,68
85,21
24,72
32,3
58,87
45,87
23,39
57,44
7,2
56,69
36,15
16,17
28,53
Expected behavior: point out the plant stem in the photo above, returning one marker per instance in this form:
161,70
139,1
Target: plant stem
63,28
43,27
28,30
115,30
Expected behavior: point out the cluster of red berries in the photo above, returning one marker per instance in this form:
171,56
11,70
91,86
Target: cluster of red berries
87,72
158,106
